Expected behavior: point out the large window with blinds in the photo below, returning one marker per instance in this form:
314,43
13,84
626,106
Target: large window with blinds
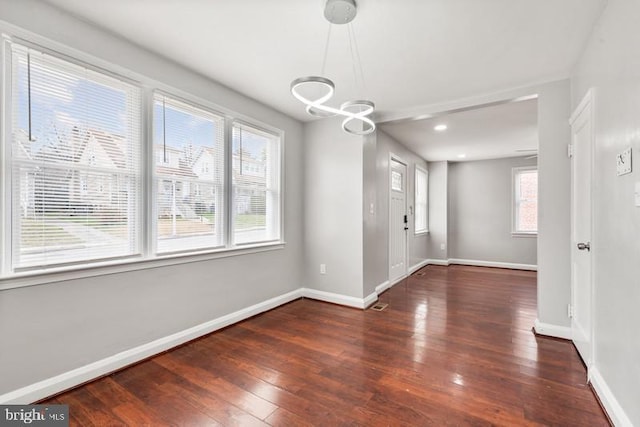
256,185
74,157
189,176
78,156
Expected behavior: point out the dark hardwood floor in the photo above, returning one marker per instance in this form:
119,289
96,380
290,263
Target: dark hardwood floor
454,347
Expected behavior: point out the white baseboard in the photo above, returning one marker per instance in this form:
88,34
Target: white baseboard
337,298
418,266
511,265
67,380
383,287
550,330
615,412
444,262
370,299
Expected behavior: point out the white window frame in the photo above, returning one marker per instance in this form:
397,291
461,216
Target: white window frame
154,220
515,201
10,279
420,170
277,162
7,269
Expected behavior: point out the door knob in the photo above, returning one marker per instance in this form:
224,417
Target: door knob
583,246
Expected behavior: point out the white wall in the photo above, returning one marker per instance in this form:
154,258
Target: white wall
333,183
611,65
438,211
480,211
554,237
375,250
376,190
52,328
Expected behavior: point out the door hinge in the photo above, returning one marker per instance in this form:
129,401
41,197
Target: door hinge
570,150
569,311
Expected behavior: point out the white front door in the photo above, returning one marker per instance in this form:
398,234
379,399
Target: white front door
398,224
581,286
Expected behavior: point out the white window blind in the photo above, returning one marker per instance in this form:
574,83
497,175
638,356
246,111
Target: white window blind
189,176
421,190
525,200
75,162
255,185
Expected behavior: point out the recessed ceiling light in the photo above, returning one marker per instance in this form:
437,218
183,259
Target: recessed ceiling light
440,128
462,156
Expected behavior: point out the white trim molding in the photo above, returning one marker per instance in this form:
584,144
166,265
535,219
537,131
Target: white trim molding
510,265
444,262
388,285
370,299
383,287
339,298
418,266
611,405
75,377
550,330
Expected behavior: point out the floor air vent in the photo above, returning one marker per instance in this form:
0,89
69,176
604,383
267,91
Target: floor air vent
379,306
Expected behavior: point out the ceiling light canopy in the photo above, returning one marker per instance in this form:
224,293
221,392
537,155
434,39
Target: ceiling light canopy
356,113
440,128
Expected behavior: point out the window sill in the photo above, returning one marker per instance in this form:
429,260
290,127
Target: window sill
32,278
524,234
421,233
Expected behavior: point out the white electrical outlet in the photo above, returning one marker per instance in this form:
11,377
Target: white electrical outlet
442,246
323,269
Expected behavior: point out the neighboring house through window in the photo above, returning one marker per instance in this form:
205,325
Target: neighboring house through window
256,185
186,138
74,155
62,116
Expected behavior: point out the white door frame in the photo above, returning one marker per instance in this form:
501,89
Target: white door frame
398,159
587,102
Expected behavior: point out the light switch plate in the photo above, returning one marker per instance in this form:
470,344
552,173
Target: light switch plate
637,194
623,162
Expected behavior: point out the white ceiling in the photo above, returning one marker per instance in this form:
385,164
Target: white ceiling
414,53
484,133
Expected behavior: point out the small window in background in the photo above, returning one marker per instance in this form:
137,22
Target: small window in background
189,197
255,185
525,207
421,200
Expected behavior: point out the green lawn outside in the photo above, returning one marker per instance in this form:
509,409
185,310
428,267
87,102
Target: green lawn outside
32,232
249,221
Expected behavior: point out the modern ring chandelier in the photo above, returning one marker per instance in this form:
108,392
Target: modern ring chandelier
356,113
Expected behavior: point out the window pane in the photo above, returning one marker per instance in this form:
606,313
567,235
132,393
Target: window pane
256,185
396,181
75,162
421,201
189,176
527,201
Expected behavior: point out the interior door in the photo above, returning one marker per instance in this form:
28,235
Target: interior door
581,284
398,223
